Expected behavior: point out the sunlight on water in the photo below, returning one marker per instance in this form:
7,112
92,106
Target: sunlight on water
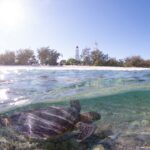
3,95
1,77
20,102
24,85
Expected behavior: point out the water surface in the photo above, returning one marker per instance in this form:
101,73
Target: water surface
21,86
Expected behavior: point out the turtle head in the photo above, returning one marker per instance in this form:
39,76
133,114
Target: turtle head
89,117
75,104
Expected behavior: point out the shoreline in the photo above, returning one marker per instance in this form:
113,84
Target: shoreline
76,68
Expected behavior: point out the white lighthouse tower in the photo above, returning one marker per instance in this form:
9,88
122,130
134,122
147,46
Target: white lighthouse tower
77,57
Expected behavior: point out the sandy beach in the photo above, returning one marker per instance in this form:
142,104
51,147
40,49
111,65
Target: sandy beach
75,68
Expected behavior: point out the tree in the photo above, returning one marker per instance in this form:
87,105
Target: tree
112,62
24,56
134,61
43,55
98,58
8,58
72,61
53,57
1,59
85,56
48,56
33,60
63,62
146,63
120,62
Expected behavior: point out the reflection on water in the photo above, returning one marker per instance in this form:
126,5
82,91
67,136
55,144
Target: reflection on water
24,85
19,101
3,95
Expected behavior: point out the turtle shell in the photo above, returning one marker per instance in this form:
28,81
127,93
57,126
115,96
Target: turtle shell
45,123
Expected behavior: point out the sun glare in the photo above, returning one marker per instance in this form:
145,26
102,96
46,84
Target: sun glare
11,13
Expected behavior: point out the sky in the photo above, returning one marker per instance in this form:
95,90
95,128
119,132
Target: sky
120,27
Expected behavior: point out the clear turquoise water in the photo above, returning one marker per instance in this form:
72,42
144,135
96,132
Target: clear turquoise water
122,97
21,86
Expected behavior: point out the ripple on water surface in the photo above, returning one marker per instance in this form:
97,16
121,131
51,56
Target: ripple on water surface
36,85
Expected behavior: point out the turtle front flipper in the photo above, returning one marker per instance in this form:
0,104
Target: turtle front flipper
85,131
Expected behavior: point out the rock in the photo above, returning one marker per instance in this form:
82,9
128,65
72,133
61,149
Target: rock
144,123
3,140
108,144
134,125
104,132
99,147
143,138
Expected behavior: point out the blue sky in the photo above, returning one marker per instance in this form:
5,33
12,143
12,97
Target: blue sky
120,27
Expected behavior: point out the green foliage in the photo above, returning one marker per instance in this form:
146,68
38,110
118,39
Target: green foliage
146,63
85,56
48,56
114,62
72,61
63,62
8,58
134,61
33,60
24,56
98,58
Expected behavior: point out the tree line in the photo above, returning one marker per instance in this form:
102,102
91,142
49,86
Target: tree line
96,57
47,56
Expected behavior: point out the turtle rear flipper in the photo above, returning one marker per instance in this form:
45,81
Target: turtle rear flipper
85,131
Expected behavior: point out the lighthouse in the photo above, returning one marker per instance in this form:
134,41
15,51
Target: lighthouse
77,57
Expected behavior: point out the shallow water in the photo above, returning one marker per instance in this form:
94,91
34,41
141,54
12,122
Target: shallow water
21,86
122,97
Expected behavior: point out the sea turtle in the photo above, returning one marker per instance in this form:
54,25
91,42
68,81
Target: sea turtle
53,121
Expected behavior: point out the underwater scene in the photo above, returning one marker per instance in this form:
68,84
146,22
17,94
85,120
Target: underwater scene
122,98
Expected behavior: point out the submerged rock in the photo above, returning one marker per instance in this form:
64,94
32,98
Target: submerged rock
143,138
103,132
99,147
134,125
145,123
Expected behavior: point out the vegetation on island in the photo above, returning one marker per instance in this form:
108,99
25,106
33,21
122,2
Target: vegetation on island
88,57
